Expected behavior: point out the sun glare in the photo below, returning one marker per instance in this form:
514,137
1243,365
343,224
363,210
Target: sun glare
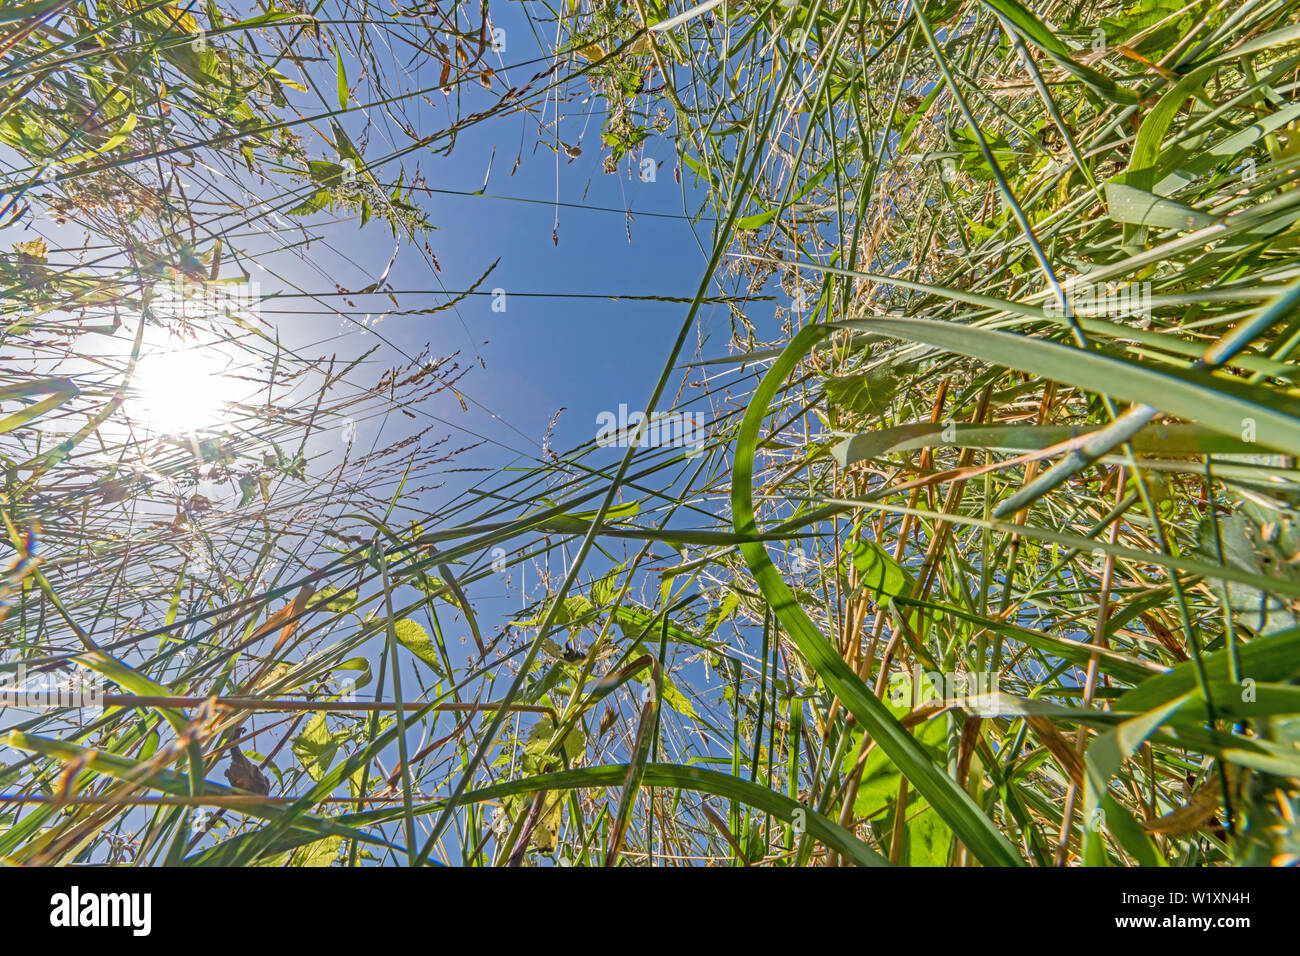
183,389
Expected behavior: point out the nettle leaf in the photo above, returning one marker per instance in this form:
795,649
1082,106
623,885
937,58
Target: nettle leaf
927,840
1138,20
317,853
553,675
678,701
416,640
727,608
1262,542
633,621
941,11
346,148
324,172
552,819
317,746
606,590
877,570
535,747
573,612
866,395
358,664
312,204
34,250
321,853
972,158
880,776
435,586
339,602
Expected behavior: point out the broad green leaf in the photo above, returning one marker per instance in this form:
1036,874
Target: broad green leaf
877,570
675,699
416,640
317,746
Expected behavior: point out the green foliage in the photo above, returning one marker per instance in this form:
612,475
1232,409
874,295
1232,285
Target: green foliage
416,640
1031,413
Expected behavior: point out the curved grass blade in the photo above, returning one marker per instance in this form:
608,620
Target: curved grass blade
949,800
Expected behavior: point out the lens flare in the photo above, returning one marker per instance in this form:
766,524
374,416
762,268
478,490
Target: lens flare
181,390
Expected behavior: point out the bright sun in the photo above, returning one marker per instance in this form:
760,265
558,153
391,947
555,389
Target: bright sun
182,389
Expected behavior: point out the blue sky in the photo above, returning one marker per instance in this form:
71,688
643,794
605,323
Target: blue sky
546,351
552,347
